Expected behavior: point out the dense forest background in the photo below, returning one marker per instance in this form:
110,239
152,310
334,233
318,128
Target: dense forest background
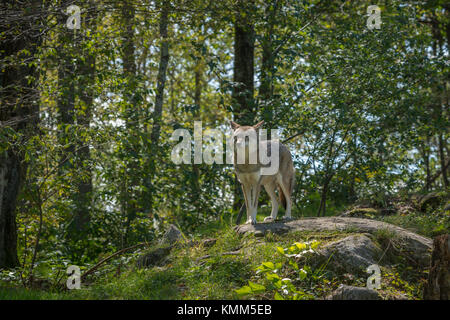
88,108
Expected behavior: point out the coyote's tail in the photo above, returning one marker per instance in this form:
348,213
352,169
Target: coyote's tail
282,197
291,190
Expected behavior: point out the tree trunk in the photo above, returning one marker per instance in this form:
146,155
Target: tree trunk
442,160
426,160
438,105
265,92
83,193
10,180
438,285
323,198
66,87
159,99
243,104
195,180
244,108
131,118
19,110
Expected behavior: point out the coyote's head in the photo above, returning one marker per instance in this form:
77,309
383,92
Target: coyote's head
245,141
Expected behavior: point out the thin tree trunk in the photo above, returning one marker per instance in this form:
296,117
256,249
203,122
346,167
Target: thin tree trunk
442,160
426,160
131,118
438,110
195,167
83,181
159,99
66,86
323,198
265,92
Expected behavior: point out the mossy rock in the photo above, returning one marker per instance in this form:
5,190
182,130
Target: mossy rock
406,210
361,213
351,254
432,201
447,206
345,292
154,257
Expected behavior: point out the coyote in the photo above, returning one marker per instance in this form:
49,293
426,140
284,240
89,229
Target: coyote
251,176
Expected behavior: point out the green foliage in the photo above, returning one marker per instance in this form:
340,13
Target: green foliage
285,288
369,108
429,225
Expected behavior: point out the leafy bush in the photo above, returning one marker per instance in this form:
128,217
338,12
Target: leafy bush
283,281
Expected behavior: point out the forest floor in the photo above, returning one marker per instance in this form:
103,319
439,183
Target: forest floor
220,263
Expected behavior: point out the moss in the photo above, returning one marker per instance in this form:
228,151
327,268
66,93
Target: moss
203,272
362,212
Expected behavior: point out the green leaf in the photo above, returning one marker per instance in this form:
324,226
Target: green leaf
280,250
269,265
272,276
302,274
256,288
278,296
245,290
301,246
315,244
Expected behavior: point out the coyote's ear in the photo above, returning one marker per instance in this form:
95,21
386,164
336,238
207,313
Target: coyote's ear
259,124
234,125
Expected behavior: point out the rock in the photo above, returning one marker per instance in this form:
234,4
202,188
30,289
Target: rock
158,256
345,292
207,243
447,206
416,246
431,201
405,210
352,254
387,211
438,285
172,236
154,257
361,213
399,296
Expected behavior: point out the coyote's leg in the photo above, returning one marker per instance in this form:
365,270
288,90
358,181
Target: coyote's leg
255,193
246,190
287,194
270,189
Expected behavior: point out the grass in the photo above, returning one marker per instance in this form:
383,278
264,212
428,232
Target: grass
8,293
428,225
190,275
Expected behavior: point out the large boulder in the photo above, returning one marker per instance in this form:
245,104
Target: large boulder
447,206
159,256
154,257
352,254
416,247
431,201
172,236
345,292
